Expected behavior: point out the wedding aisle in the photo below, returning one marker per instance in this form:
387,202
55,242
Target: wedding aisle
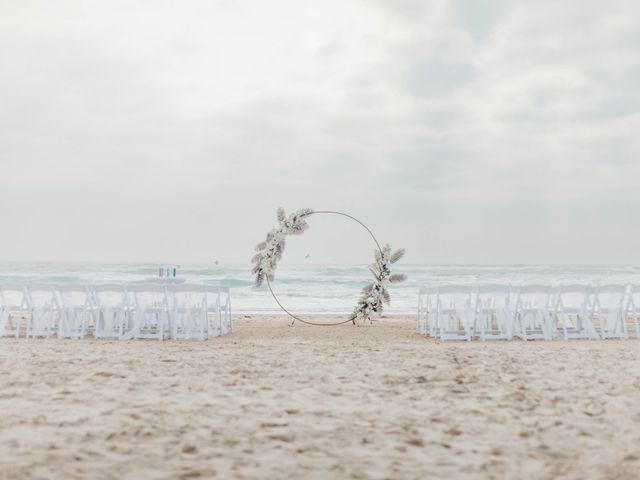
272,401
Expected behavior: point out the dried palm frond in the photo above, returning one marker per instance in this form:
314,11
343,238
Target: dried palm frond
367,290
304,212
397,277
398,254
385,295
375,272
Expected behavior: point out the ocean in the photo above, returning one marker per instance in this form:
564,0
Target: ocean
318,288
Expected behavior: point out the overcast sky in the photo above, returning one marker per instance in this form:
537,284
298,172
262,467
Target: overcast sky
466,131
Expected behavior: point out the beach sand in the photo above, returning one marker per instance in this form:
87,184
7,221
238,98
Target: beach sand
274,401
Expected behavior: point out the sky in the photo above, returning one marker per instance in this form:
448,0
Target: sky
470,131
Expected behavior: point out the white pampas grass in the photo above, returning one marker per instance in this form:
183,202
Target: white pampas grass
376,294
270,251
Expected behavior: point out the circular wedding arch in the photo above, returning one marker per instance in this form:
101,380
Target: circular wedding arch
373,295
329,324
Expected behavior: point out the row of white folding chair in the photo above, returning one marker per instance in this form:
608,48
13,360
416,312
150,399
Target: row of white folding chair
530,312
155,311
141,311
571,311
455,312
496,312
543,312
459,313
46,309
182,311
452,312
144,311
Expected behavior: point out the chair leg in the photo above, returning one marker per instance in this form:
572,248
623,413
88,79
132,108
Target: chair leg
564,327
19,324
519,320
174,325
622,321
121,326
4,318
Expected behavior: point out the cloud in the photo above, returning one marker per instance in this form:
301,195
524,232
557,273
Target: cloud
426,118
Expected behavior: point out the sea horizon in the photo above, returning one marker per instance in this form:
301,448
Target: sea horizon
316,287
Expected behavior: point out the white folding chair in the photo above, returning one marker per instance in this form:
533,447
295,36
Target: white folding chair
77,311
189,312
494,315
218,310
455,312
44,310
609,307
225,310
214,311
13,306
426,311
573,312
533,319
112,310
633,308
151,313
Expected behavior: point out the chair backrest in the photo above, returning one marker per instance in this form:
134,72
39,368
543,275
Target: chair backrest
188,296
42,296
218,297
574,296
219,288
634,297
225,292
610,297
495,295
150,296
454,297
427,295
213,294
534,296
74,296
110,296
12,296
494,288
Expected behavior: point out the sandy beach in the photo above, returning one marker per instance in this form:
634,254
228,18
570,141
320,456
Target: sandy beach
274,401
